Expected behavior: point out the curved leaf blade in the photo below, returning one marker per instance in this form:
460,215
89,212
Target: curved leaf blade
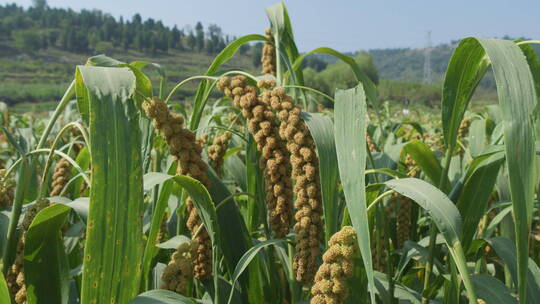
44,254
492,290
369,86
475,195
160,297
246,259
466,68
426,159
506,250
444,214
207,213
349,130
4,291
114,229
518,100
174,242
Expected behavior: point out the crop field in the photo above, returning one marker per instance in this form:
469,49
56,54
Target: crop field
261,189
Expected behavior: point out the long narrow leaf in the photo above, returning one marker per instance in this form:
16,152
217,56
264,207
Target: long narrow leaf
4,291
113,251
160,297
492,290
426,159
349,131
517,99
445,215
44,253
475,195
369,86
506,250
246,259
207,213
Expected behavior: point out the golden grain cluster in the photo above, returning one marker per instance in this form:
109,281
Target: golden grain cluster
403,220
60,177
464,127
371,145
7,187
404,205
379,246
274,156
378,254
178,273
216,152
305,173
331,279
184,147
412,168
268,58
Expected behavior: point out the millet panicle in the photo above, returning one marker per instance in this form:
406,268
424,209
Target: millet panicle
464,127
187,152
60,177
331,279
179,271
305,173
371,144
216,152
403,219
7,189
268,59
404,205
274,156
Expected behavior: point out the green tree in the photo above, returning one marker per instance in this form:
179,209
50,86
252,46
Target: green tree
365,61
137,20
256,53
127,37
191,41
39,4
243,49
104,47
340,76
53,37
314,62
214,38
199,35
181,38
27,40
175,38
93,40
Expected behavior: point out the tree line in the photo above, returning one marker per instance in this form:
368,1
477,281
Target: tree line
41,27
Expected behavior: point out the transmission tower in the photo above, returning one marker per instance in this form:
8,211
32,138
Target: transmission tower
427,59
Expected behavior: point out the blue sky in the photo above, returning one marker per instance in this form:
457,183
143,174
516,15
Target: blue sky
346,25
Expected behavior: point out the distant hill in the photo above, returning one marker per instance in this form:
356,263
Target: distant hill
45,75
398,72
408,64
94,31
40,46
